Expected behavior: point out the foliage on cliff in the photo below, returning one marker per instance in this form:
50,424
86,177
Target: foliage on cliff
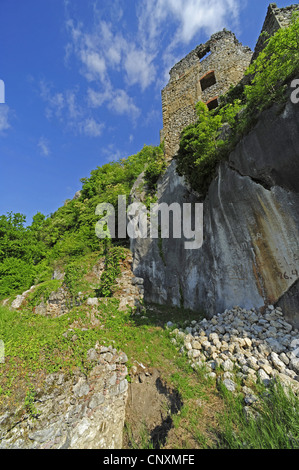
274,66
201,146
204,144
28,254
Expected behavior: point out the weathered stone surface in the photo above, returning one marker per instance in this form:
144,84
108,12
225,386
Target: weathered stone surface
259,155
58,304
92,301
18,301
74,412
226,64
58,274
250,253
247,355
276,18
229,384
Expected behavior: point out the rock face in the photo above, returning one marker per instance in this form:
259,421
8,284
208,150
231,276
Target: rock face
58,304
76,412
250,252
17,302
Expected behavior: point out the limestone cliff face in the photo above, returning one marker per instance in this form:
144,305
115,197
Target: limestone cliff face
250,253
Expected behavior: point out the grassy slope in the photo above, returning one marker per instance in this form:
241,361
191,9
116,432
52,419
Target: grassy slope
210,416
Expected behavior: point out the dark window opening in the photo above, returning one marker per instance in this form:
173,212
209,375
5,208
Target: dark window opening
212,104
204,53
207,80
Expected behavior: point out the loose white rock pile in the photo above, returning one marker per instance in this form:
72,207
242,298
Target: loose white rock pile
246,344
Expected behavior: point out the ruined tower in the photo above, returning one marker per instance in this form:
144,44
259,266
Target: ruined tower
204,74
207,72
276,18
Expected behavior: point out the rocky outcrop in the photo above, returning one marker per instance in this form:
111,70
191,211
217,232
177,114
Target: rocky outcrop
20,299
128,290
73,412
57,304
250,252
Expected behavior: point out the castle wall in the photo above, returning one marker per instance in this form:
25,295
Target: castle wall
223,58
276,18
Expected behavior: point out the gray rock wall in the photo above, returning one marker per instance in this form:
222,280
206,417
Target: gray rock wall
250,253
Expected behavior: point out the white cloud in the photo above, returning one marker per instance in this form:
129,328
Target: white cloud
95,65
139,67
73,109
116,100
91,128
64,106
44,148
55,101
114,54
104,49
4,118
112,154
189,16
121,103
96,99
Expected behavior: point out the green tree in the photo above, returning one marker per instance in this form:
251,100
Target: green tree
276,64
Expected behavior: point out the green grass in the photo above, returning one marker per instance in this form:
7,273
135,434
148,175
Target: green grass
274,426
145,441
35,344
209,417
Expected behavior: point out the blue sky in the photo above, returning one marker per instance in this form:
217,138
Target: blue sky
83,84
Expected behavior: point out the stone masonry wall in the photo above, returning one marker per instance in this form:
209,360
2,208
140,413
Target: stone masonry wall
227,59
74,412
276,18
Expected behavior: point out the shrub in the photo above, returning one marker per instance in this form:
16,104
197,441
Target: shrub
201,149
74,273
111,271
273,67
16,276
154,170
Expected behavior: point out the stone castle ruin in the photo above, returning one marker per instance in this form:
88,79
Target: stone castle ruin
276,18
207,72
